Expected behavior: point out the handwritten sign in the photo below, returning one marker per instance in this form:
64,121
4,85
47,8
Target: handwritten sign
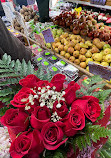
31,2
98,2
96,69
48,36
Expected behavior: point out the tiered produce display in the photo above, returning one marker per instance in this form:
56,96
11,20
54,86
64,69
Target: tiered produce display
80,51
83,25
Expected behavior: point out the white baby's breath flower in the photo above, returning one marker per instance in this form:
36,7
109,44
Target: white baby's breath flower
54,87
47,87
63,99
36,96
63,92
50,105
54,97
55,117
48,92
24,99
27,107
58,105
42,104
43,91
52,92
46,97
39,88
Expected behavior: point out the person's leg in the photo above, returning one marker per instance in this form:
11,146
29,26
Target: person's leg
43,6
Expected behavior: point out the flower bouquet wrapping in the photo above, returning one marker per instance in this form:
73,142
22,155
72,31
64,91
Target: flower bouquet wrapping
53,120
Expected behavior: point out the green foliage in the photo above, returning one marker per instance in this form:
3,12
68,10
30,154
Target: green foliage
92,84
105,151
43,76
55,154
11,72
102,95
91,133
3,110
58,154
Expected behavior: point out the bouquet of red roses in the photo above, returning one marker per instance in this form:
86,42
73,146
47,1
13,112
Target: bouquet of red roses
47,116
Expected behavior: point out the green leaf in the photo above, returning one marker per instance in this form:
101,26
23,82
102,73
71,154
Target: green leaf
91,133
7,99
95,79
12,63
3,110
30,69
4,58
78,142
24,68
17,67
8,75
5,92
6,70
102,95
95,87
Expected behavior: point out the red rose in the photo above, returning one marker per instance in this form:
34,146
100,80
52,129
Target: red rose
90,106
28,144
15,120
74,121
39,117
70,92
21,99
58,81
29,81
62,110
52,135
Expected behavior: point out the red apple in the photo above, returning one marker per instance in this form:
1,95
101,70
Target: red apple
101,36
109,41
76,31
83,32
90,34
96,34
107,36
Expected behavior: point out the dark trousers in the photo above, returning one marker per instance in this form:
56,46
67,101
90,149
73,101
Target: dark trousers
43,6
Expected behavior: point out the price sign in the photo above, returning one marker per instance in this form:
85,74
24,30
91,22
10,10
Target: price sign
48,36
98,2
39,39
96,69
31,2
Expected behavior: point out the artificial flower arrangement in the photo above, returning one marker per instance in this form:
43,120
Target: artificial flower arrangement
49,119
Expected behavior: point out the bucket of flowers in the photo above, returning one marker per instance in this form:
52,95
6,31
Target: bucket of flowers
47,118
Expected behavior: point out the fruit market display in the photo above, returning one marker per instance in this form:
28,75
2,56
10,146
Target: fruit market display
83,25
80,52
28,14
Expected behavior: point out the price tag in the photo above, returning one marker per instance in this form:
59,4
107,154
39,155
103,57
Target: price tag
39,39
48,36
96,69
98,2
31,2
